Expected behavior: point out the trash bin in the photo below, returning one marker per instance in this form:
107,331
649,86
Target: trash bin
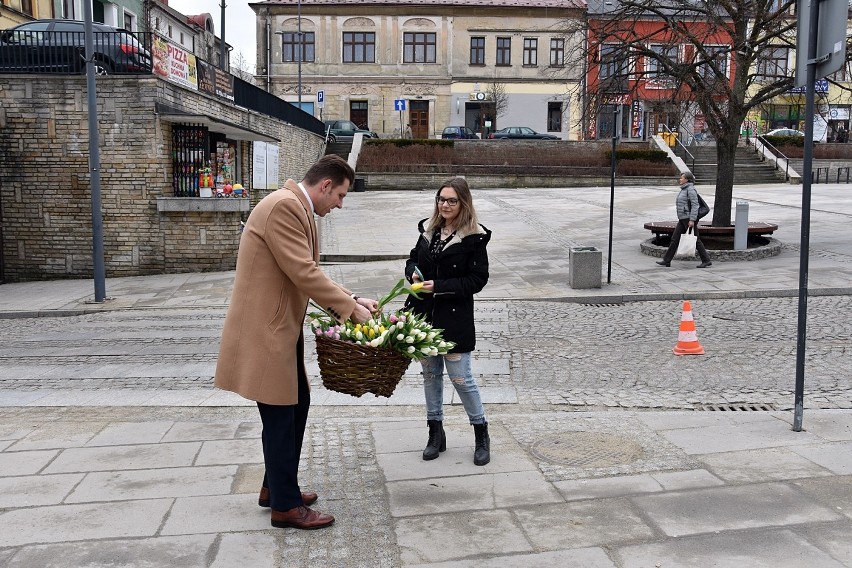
584,267
360,184
669,138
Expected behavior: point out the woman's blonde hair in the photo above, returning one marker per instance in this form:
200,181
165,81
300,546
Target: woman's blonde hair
466,222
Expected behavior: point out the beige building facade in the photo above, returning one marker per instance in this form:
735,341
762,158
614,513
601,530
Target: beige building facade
484,64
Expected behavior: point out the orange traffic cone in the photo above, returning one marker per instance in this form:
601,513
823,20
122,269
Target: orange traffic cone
687,340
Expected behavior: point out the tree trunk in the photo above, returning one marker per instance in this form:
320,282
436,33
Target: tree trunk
726,150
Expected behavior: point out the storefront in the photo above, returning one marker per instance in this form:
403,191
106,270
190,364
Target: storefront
208,154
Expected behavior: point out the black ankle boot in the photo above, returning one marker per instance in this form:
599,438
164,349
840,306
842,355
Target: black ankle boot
437,440
482,453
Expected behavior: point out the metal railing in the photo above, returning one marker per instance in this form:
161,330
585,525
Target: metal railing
676,138
777,154
64,52
256,99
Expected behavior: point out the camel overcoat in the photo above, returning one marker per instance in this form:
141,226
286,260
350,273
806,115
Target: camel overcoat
277,271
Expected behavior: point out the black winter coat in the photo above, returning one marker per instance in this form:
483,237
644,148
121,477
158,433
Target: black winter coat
459,272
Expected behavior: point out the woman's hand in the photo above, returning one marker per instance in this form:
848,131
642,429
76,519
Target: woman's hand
428,286
368,303
691,223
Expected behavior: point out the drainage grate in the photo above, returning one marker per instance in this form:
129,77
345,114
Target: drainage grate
587,449
735,407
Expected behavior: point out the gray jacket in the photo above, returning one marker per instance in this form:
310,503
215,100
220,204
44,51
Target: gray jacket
687,196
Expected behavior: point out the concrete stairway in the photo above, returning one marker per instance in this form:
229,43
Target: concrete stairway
748,167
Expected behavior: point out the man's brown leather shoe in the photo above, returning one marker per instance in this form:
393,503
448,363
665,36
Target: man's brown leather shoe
301,518
308,497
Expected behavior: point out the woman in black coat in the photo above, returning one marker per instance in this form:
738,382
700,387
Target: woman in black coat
451,260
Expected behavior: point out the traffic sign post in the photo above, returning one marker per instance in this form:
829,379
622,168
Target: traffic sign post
820,51
399,105
320,101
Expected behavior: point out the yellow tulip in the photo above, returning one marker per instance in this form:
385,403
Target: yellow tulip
416,286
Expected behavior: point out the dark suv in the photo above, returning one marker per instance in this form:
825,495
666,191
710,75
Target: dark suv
345,130
59,46
454,132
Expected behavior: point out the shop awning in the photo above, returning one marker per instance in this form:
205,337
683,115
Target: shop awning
229,129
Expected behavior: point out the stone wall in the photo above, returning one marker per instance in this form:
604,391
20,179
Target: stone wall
45,181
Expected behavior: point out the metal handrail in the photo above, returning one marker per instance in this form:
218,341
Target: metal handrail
677,140
775,151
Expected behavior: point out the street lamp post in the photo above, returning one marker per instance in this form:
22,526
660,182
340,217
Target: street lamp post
299,56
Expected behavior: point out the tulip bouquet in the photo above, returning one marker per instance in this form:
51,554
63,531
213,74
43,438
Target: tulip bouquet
403,331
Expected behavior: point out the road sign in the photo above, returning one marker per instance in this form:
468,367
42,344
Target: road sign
320,99
399,104
831,38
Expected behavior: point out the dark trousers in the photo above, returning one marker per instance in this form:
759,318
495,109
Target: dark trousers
681,227
283,432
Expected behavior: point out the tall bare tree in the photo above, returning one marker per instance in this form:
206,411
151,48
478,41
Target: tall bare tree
240,68
726,57
496,92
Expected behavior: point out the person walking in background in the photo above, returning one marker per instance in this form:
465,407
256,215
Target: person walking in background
407,134
261,356
686,206
842,134
451,260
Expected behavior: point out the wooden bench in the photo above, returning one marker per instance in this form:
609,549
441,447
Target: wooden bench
705,229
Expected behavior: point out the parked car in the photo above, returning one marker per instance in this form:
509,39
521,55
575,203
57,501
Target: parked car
456,132
784,132
345,130
521,133
59,46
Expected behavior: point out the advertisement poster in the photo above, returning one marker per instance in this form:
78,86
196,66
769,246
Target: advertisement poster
214,81
258,165
264,166
272,166
175,64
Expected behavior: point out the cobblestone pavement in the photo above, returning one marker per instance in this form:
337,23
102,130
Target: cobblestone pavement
548,354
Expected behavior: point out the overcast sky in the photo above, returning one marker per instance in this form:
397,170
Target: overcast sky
239,23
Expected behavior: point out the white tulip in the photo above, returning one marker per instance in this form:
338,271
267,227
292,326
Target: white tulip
409,339
410,349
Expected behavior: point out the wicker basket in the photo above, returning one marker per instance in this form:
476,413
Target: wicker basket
356,369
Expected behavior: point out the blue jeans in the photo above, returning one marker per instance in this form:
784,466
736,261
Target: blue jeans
458,369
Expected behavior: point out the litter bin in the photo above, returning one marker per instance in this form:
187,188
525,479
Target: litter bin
360,184
584,267
669,138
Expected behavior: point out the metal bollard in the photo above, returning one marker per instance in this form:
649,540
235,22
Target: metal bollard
741,226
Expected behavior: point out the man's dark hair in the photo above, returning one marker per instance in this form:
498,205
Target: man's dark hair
333,167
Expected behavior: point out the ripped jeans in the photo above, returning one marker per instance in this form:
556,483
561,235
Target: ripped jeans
458,369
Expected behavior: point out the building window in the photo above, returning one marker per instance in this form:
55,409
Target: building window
557,52
23,6
477,51
719,56
653,68
170,31
504,51
290,47
773,63
129,21
612,64
530,51
418,47
181,38
359,47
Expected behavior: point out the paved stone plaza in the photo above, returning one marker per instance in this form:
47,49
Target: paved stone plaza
607,450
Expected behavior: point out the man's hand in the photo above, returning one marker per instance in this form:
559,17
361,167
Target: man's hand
360,314
691,223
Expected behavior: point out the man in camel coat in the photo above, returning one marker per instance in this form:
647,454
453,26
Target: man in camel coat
261,356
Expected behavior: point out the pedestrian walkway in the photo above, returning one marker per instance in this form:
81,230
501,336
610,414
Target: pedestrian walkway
112,476
364,242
